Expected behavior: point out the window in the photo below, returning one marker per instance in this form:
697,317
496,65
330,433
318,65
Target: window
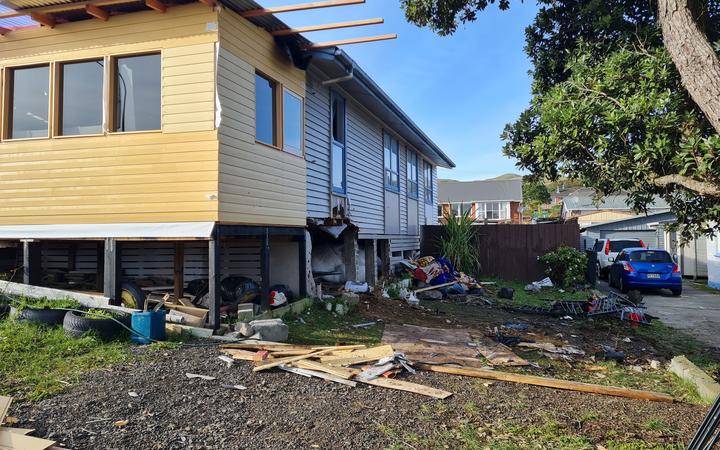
137,93
456,209
617,245
428,181
292,122
412,174
81,98
29,102
338,123
651,256
392,163
265,110
493,211
440,211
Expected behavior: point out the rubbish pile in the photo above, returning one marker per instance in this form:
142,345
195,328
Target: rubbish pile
381,366
436,277
18,438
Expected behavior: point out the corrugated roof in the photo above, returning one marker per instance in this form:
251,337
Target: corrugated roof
480,191
584,202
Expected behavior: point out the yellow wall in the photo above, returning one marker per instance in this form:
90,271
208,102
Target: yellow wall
125,177
258,184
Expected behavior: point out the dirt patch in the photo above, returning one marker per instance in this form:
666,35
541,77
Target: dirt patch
280,410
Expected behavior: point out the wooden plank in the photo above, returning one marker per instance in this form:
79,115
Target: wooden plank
43,19
4,407
157,5
549,382
298,7
210,3
499,354
24,431
4,31
341,372
359,356
97,12
242,355
280,361
328,26
360,40
17,441
322,375
433,345
391,383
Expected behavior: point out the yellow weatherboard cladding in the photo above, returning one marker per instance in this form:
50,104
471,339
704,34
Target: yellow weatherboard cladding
183,172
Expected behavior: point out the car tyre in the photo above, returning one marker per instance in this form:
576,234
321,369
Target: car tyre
621,285
133,296
76,325
676,292
44,316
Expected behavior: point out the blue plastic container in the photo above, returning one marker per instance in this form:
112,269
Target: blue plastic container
150,324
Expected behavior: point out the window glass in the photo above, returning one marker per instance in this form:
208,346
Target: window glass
338,143
599,245
651,256
428,180
81,110
440,211
292,123
392,162
265,110
29,102
456,209
137,92
616,246
338,119
412,174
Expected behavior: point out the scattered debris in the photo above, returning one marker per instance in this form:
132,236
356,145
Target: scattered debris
364,325
536,286
237,387
550,347
133,394
121,423
507,293
202,377
228,360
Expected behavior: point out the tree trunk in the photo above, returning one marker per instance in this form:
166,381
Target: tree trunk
693,55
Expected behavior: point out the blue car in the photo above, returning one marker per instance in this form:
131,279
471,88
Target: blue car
642,268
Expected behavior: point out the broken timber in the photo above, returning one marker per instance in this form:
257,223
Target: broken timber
401,385
549,382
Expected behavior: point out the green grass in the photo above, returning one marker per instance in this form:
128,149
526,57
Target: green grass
703,286
40,303
324,328
543,298
673,342
37,362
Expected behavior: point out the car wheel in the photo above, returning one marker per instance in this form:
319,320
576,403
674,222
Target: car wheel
621,285
676,292
132,296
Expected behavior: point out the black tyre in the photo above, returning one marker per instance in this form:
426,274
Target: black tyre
621,285
45,316
76,325
132,296
4,311
676,292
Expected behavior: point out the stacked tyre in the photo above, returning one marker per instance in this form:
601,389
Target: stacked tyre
76,325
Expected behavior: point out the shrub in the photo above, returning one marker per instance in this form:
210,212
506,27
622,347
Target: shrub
458,243
565,266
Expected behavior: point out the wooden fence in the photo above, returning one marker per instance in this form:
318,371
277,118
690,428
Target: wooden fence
510,251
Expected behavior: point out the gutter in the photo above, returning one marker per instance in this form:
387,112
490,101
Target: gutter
363,78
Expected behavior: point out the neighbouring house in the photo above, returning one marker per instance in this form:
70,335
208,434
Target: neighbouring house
189,140
492,201
692,257
713,265
580,204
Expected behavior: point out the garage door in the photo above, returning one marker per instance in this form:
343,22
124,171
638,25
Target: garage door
649,237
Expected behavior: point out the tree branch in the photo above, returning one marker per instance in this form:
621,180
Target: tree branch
701,187
693,56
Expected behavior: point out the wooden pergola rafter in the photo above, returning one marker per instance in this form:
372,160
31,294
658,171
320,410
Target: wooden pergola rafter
44,15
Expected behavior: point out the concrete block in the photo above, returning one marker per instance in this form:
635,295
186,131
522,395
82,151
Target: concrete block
708,389
245,329
246,312
274,330
350,298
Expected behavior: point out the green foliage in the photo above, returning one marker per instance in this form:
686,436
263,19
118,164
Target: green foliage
619,123
459,244
566,266
38,361
42,303
535,193
613,115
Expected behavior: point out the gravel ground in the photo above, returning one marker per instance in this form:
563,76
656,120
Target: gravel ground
287,411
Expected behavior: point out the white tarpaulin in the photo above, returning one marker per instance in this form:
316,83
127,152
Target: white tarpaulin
163,230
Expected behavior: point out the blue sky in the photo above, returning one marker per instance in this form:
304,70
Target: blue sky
461,90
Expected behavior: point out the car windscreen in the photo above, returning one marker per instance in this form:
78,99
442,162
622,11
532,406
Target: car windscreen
650,256
616,246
